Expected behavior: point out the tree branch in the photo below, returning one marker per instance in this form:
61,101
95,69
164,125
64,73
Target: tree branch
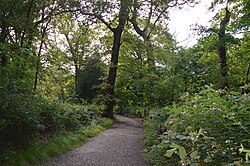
137,29
99,17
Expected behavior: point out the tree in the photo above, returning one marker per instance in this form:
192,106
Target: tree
21,24
90,78
117,32
100,10
77,37
222,48
43,32
230,20
56,81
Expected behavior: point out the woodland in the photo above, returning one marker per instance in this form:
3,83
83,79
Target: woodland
69,65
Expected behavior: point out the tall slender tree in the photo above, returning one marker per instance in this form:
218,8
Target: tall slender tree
97,11
117,34
222,48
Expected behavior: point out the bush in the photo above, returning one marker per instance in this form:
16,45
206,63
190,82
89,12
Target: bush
18,121
77,116
24,117
134,111
50,116
209,128
155,126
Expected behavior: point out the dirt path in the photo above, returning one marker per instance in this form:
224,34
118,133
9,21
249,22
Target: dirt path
121,145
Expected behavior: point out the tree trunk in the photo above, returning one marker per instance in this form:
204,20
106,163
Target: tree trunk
222,50
38,62
247,74
5,31
223,66
31,2
3,36
246,89
112,74
44,29
77,71
123,16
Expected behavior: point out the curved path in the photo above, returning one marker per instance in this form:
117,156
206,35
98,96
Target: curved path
121,145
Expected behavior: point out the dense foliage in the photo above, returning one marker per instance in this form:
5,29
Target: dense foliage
25,118
211,127
63,64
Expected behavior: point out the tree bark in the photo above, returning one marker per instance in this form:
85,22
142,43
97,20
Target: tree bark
117,32
222,50
247,74
38,60
112,73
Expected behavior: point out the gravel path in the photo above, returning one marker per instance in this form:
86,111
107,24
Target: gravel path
121,145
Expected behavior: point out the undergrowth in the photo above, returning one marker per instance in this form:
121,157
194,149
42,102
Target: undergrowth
209,128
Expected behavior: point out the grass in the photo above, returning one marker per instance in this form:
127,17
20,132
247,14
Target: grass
39,152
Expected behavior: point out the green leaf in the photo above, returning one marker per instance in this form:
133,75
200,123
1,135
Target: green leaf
202,92
182,137
235,93
170,152
182,152
234,107
175,146
195,155
208,159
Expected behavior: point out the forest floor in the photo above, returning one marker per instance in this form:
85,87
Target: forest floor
121,145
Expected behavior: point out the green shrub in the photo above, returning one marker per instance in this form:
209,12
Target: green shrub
209,128
77,116
18,121
50,116
155,126
24,117
134,111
